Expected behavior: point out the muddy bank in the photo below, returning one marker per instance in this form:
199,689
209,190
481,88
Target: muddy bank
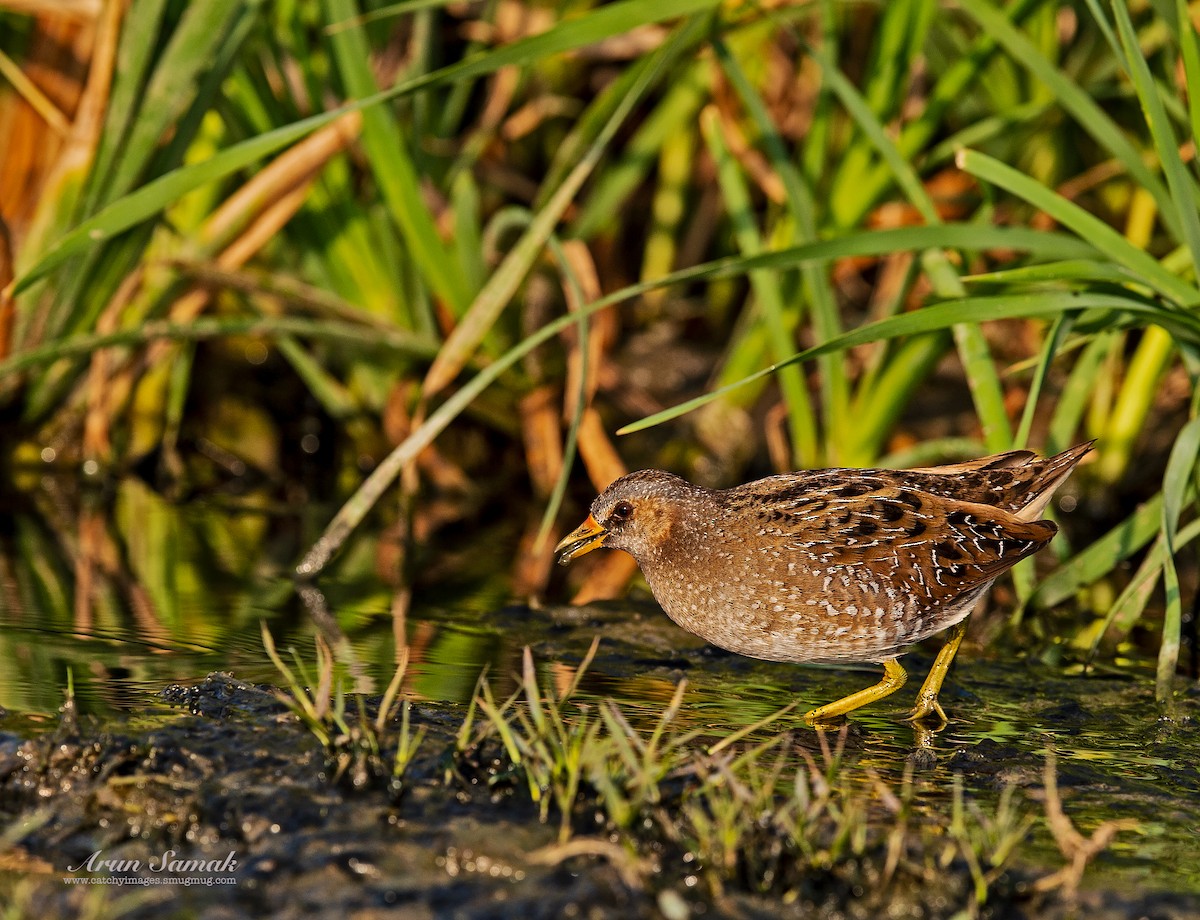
236,782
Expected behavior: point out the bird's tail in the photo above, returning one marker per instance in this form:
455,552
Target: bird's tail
1057,469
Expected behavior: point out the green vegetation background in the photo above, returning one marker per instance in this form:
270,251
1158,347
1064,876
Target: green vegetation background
457,245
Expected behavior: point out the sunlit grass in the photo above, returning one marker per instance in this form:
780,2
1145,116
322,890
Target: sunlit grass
761,814
354,743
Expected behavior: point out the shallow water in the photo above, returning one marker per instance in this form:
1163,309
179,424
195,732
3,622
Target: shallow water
157,618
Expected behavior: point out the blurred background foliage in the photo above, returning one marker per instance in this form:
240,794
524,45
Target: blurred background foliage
253,252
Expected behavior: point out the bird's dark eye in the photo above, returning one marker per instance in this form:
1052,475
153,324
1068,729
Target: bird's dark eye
622,512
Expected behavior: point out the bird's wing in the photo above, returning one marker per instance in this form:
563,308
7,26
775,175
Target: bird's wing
936,548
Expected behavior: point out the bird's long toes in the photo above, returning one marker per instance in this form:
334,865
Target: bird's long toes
926,711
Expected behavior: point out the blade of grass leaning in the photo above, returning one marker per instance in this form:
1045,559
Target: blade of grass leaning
575,300
849,207
801,424
1127,610
1179,181
879,403
590,123
330,392
499,290
302,700
822,304
1076,394
1074,98
1095,231
200,33
987,392
1050,348
1124,613
387,152
148,200
1189,48
367,338
944,316
1023,574
1066,273
581,669
898,36
675,112
533,693
905,176
356,508
135,55
393,690
1100,557
32,95
1176,482
965,237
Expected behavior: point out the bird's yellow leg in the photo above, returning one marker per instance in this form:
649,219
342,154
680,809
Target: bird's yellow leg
893,679
927,696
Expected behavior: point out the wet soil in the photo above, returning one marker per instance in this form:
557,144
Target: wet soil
232,776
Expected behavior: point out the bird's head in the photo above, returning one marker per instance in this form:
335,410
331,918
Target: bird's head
637,513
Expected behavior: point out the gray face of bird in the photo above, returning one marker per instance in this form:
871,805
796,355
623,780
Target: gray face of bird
640,512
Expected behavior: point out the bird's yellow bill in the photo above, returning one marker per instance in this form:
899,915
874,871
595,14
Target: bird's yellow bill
583,539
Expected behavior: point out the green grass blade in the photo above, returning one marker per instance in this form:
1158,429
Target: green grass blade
823,305
138,44
1050,348
799,197
325,388
767,291
1189,48
1066,273
906,177
1176,483
1082,107
1183,188
1023,572
676,112
1077,393
366,338
503,284
982,378
1127,610
878,407
930,319
850,203
387,151
1095,231
189,52
1099,558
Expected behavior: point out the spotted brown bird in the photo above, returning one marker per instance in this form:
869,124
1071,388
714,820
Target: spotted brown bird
832,565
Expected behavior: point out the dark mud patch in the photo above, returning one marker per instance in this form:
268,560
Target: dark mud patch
239,784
